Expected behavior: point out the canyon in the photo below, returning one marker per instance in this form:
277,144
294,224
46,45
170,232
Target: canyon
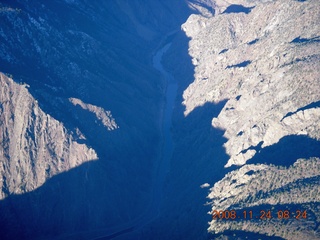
138,119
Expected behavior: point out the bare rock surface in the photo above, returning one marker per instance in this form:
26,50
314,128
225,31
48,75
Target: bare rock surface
273,189
34,146
262,59
104,116
265,63
99,54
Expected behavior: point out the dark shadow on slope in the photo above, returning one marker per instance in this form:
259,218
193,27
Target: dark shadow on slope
306,40
123,87
242,64
177,61
234,8
288,150
223,51
113,190
199,157
111,66
257,148
253,41
84,203
309,106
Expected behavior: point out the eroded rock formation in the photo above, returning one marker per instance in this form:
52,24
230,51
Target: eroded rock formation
266,64
34,146
262,58
269,188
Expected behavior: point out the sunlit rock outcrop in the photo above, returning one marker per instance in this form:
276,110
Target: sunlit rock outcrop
104,116
34,146
89,65
262,58
265,62
267,188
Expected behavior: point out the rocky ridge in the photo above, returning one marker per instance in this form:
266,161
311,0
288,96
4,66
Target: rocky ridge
272,189
84,60
104,116
266,64
103,61
34,146
262,59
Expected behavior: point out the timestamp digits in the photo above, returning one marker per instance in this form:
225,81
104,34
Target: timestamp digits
262,214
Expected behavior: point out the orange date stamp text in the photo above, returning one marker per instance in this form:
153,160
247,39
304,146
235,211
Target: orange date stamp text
262,214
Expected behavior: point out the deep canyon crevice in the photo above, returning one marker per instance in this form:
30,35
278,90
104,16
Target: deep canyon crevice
121,114
86,71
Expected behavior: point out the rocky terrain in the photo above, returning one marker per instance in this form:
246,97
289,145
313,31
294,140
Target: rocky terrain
270,188
82,88
266,64
262,59
34,146
248,74
94,144
104,116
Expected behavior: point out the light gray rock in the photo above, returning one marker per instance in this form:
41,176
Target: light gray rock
104,116
272,189
266,64
34,146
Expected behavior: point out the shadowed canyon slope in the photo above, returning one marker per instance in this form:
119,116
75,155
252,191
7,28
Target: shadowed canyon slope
34,146
253,97
263,59
116,117
89,66
85,89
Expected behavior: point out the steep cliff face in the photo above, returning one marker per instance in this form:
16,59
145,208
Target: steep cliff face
83,60
248,97
34,146
89,65
262,59
265,62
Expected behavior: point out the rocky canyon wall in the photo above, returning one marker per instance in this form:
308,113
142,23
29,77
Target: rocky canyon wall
246,120
262,59
82,87
34,146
